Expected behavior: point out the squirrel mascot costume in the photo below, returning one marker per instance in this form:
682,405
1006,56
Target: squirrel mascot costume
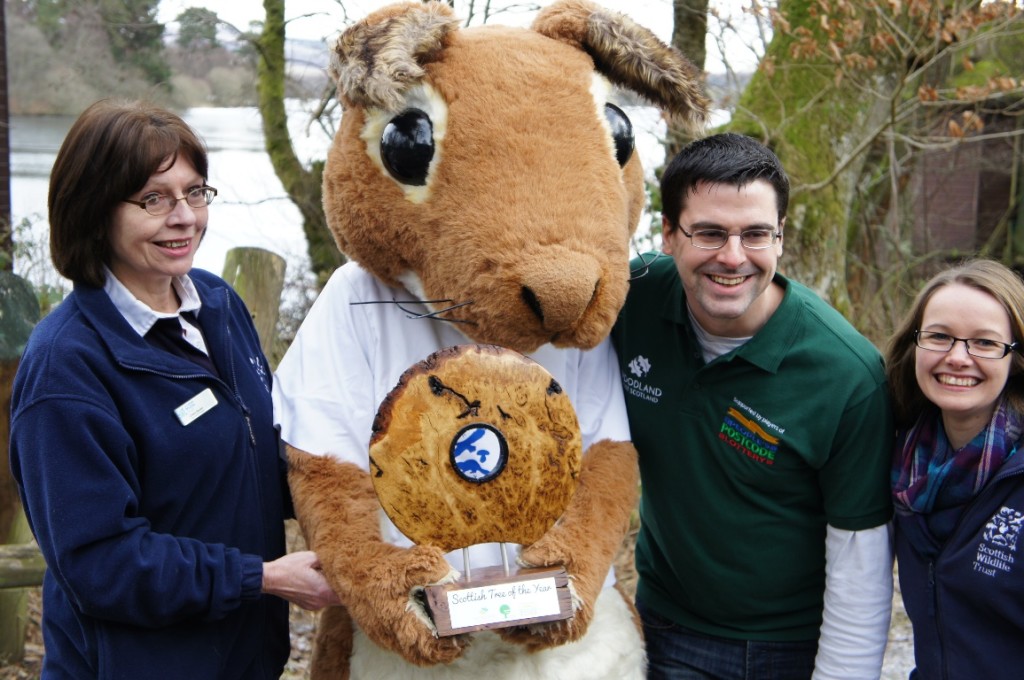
485,191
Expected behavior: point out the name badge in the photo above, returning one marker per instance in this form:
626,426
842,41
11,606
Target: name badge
196,406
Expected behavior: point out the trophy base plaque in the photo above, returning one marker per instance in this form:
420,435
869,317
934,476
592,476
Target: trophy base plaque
496,599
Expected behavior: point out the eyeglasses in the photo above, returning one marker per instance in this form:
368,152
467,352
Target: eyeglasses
158,204
751,239
976,347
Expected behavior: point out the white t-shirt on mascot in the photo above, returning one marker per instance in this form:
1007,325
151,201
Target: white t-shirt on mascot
347,357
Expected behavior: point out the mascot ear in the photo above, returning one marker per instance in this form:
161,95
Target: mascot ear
629,55
379,58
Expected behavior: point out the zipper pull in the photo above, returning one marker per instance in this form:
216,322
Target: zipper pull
248,424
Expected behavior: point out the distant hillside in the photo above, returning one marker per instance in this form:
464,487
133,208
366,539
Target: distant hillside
63,77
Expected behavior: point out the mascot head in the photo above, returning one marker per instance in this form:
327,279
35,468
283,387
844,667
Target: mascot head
487,172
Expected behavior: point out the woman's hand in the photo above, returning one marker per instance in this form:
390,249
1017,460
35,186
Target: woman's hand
296,577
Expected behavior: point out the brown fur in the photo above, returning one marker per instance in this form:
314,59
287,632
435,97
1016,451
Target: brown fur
630,55
375,60
333,645
526,216
526,182
579,269
338,512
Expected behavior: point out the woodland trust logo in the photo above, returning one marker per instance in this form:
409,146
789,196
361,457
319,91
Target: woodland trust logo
998,547
747,432
640,366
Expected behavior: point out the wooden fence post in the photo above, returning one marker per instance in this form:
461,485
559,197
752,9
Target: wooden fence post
19,312
257,275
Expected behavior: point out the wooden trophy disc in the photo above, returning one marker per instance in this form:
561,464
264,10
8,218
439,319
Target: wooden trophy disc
478,444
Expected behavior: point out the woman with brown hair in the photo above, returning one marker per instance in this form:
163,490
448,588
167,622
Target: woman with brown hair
142,435
955,369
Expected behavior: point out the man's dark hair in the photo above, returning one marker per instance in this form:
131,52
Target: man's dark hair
727,158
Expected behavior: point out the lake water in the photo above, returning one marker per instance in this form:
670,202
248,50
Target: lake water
251,209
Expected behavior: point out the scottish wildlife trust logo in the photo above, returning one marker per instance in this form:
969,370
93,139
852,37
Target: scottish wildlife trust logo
997,551
640,366
479,452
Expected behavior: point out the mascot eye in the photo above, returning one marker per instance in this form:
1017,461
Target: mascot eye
622,133
407,145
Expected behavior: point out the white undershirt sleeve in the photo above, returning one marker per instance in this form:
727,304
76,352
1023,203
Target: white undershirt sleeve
858,604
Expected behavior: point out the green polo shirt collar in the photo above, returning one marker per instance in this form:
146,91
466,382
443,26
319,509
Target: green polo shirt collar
769,346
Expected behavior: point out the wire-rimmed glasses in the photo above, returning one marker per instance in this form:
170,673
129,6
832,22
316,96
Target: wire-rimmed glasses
755,238
159,204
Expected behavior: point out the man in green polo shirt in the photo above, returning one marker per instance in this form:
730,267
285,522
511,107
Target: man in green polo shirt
764,432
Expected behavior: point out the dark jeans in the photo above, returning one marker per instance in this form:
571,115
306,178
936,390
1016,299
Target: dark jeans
676,653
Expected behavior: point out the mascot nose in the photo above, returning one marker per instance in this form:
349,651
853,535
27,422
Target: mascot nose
559,290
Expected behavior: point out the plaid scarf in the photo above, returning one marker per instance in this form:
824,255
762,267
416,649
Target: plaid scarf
928,475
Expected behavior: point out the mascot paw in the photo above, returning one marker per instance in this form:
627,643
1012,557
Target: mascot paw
548,551
386,604
540,636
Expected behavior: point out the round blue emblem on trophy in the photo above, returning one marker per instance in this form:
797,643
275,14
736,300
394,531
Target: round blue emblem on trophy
479,453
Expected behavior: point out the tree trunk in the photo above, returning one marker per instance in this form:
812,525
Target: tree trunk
303,186
689,34
815,127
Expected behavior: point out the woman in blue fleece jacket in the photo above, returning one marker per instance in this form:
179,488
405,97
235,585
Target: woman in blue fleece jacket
957,373
142,437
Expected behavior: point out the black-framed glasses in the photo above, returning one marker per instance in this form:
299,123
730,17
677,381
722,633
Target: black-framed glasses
756,238
158,204
982,348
